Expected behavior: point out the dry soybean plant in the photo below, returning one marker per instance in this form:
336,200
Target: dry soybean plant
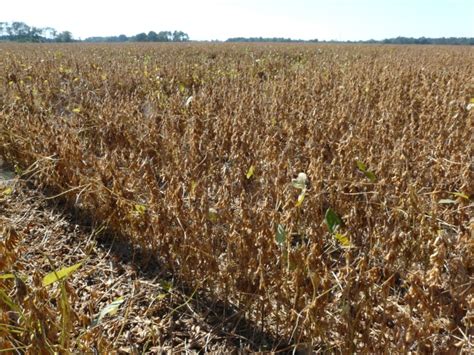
325,191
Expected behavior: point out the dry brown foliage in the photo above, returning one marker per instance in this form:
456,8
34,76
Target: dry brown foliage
157,142
157,315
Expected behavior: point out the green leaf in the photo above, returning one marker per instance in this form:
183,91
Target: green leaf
140,209
332,220
368,174
461,194
342,239
9,302
54,276
6,276
361,166
181,87
447,201
280,236
110,309
250,172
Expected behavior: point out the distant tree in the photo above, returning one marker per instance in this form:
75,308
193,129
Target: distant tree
152,36
122,38
141,37
35,34
49,33
162,36
64,37
19,31
423,40
3,28
180,36
268,39
165,36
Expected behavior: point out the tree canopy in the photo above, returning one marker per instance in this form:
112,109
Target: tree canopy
397,40
152,36
21,32
270,39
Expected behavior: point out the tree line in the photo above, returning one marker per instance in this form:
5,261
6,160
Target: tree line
270,39
422,40
21,32
152,36
397,40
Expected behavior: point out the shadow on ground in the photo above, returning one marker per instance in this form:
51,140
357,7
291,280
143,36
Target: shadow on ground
186,320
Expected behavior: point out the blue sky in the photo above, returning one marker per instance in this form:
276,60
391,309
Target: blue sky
214,19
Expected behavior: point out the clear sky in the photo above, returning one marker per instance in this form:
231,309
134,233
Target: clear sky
214,19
